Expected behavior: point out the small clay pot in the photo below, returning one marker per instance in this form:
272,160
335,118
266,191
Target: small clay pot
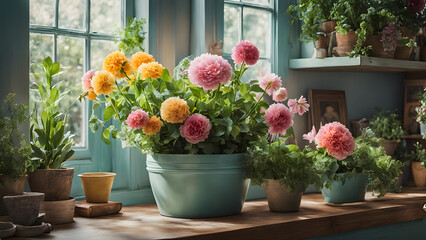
342,51
23,209
58,212
403,53
280,199
347,40
328,26
323,41
423,54
54,183
7,229
419,174
377,47
10,186
389,146
97,186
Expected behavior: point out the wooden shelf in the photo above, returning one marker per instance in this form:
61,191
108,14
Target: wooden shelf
413,136
370,64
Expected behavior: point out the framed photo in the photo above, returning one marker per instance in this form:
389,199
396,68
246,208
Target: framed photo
327,106
413,89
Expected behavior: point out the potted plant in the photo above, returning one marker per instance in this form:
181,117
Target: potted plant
421,114
14,150
131,38
387,125
285,172
195,128
348,166
50,144
418,165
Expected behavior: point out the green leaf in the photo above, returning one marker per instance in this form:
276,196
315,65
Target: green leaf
244,88
165,75
108,113
54,94
235,131
56,68
196,91
256,88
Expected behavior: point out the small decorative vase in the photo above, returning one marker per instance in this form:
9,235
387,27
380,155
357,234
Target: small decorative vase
54,183
353,190
23,209
419,174
280,199
389,146
198,186
10,186
97,186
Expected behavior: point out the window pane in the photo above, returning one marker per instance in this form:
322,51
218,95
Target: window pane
259,2
257,28
42,12
231,27
71,14
262,67
105,15
70,55
100,49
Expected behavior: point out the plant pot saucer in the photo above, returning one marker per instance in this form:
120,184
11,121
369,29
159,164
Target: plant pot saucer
33,231
7,229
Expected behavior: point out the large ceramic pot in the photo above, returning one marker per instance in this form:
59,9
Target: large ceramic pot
10,186
198,186
419,174
353,190
280,199
97,186
54,183
389,146
377,47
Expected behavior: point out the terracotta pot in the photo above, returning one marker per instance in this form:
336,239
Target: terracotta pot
403,53
54,183
419,174
328,26
377,47
23,209
389,146
97,186
10,186
347,40
423,54
342,51
280,199
58,212
323,41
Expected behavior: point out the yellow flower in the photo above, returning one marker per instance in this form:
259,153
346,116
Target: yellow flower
114,62
131,80
92,95
174,110
103,83
139,58
152,70
153,126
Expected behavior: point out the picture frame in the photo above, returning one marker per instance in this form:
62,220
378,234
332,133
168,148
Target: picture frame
412,88
327,106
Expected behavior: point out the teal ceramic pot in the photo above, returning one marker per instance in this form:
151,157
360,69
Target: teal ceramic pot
353,190
198,186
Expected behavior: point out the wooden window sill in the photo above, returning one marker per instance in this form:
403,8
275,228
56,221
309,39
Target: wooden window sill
255,222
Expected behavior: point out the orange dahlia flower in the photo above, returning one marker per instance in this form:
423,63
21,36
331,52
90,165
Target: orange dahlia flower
103,83
152,70
92,95
139,58
174,110
153,126
116,61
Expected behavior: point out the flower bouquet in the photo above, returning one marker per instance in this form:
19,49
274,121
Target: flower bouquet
349,165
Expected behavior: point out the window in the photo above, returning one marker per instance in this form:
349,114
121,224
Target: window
78,34
250,20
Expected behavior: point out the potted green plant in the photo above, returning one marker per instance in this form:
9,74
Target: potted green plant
418,165
387,125
50,143
285,172
15,152
405,48
132,36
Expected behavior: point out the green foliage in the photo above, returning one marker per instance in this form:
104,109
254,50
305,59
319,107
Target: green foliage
407,18
421,111
348,14
14,150
288,164
419,154
131,38
50,144
382,170
386,124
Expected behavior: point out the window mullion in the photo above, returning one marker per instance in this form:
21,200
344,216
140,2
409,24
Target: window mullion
241,24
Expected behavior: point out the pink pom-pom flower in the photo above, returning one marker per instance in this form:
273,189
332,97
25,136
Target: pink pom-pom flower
298,106
245,51
336,139
208,71
196,128
137,119
416,5
280,95
87,78
270,83
279,118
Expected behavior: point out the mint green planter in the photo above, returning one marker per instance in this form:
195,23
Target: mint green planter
353,190
198,186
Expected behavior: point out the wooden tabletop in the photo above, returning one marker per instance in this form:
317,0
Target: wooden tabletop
315,219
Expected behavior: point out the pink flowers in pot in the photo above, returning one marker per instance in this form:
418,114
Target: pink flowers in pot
389,37
246,52
196,128
279,118
208,71
137,119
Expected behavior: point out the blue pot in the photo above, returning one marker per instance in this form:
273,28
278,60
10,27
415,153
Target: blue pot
353,190
198,186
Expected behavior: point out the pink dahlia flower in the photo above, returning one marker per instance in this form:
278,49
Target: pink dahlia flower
270,83
245,51
196,128
280,95
298,106
337,139
310,136
87,78
208,71
279,118
137,119
416,5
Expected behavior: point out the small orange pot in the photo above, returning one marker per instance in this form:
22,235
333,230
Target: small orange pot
419,174
97,186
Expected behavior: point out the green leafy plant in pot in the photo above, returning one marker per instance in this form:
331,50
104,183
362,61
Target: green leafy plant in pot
387,125
418,165
15,152
50,143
